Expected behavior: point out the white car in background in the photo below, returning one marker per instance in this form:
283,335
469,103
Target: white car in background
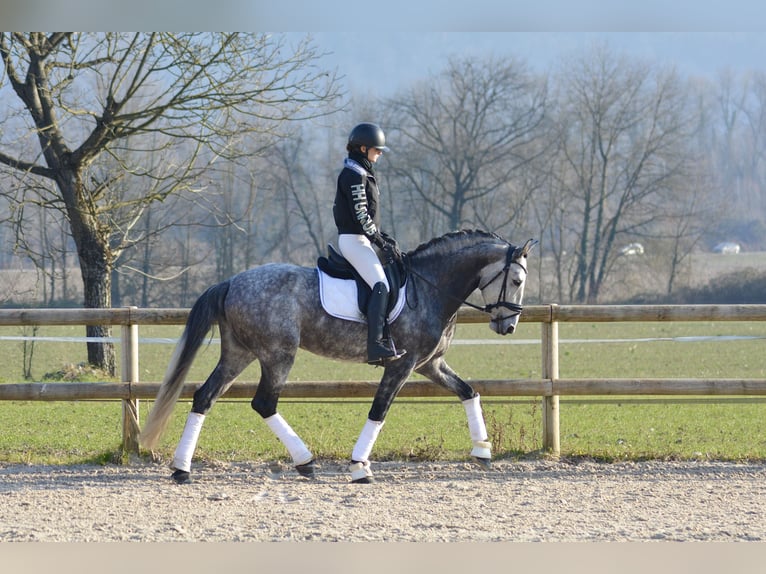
727,248
632,249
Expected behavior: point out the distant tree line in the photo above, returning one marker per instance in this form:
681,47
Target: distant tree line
158,164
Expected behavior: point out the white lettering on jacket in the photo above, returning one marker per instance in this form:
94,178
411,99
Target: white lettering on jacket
359,196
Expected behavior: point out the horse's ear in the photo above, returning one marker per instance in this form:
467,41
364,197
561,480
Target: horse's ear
529,245
524,250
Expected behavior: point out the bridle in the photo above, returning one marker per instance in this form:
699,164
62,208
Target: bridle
511,257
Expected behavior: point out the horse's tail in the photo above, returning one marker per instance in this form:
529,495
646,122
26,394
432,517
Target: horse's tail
208,309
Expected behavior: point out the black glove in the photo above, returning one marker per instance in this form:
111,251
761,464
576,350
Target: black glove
388,239
391,252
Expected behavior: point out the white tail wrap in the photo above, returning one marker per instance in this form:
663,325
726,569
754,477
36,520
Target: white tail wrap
475,419
366,440
188,443
295,446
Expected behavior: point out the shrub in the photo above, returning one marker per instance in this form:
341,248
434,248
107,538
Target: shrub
738,288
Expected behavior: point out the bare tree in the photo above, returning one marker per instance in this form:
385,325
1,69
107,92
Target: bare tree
38,234
96,102
623,128
738,147
306,198
697,199
754,138
464,137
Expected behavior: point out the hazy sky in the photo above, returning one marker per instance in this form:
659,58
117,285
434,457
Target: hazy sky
385,61
381,46
416,17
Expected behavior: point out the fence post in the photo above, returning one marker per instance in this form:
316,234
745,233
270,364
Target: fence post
550,370
130,423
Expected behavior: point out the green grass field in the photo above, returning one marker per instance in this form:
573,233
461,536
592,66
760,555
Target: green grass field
619,428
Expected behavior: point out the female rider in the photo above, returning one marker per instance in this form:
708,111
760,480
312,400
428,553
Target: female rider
357,218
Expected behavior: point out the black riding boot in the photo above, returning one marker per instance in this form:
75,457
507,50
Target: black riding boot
379,349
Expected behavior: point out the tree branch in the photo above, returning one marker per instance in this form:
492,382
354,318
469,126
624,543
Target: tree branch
27,166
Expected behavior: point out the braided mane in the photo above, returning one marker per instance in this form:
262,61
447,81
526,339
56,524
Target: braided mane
462,235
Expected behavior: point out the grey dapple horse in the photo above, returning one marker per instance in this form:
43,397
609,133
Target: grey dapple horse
267,313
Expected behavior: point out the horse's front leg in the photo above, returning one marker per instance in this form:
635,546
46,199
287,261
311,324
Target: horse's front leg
442,374
393,380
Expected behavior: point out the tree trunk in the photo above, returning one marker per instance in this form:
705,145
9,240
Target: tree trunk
96,278
96,263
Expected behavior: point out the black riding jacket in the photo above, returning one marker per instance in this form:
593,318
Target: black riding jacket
356,200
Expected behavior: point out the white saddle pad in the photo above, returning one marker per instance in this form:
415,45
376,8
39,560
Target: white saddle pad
339,299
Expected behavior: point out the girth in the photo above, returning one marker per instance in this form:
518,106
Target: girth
335,265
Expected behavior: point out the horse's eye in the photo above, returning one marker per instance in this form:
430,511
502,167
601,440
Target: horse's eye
517,282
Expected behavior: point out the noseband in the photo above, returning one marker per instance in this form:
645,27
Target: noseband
510,258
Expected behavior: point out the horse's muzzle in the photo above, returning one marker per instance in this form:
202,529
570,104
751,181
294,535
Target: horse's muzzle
504,325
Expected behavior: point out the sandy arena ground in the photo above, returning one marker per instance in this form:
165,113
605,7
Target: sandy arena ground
516,501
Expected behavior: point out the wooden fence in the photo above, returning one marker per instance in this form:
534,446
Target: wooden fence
550,387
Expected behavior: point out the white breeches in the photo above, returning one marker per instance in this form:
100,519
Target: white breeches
358,250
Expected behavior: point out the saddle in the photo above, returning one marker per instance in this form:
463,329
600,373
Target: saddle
335,265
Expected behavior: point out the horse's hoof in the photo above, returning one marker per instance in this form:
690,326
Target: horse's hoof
483,463
307,469
181,477
363,480
360,472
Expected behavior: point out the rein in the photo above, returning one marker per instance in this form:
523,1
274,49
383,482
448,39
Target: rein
488,308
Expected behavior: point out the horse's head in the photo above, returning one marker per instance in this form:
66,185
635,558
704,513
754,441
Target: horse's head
502,288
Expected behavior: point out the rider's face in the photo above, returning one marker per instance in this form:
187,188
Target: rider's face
373,154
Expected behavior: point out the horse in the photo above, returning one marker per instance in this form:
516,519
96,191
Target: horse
270,311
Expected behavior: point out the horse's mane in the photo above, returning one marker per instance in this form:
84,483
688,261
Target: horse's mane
463,234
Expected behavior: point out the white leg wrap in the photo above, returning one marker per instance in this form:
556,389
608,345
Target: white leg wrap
366,440
481,449
185,449
475,419
295,446
360,470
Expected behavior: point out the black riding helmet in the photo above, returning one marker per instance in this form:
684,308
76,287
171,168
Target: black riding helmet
368,135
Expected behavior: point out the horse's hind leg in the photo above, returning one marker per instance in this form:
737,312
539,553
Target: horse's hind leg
442,374
204,398
273,378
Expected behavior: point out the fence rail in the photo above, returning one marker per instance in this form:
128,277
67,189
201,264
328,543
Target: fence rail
550,387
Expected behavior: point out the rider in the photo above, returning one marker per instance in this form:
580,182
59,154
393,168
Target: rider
357,218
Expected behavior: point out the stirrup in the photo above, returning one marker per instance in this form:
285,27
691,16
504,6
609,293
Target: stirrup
392,354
